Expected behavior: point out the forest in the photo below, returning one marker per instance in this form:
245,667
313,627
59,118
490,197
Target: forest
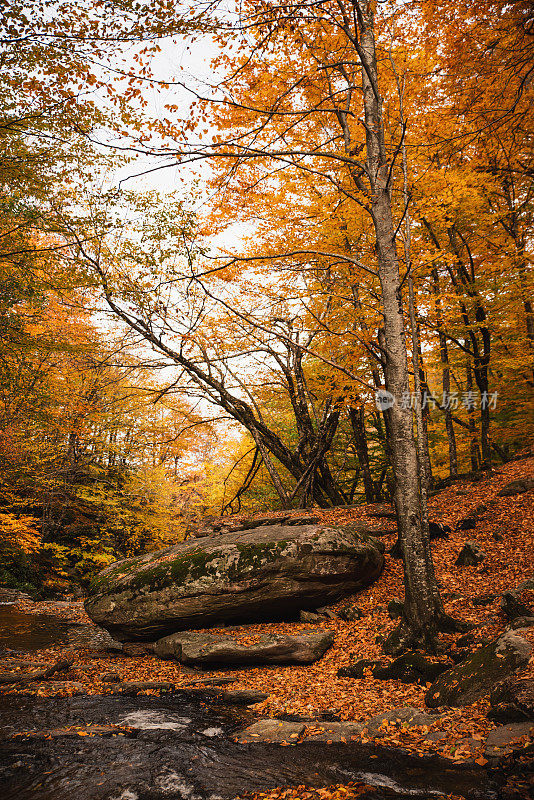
270,263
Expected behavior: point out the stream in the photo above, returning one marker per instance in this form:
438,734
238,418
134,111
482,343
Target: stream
180,749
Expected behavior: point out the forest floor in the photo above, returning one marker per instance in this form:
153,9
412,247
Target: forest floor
505,533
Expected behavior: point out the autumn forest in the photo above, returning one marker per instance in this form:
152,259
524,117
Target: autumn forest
263,258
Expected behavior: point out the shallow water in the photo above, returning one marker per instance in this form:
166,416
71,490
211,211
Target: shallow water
179,749
30,632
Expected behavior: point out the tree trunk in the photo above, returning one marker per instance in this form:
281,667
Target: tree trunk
360,442
445,379
473,447
422,603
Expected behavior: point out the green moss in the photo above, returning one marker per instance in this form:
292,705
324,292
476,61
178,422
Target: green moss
189,566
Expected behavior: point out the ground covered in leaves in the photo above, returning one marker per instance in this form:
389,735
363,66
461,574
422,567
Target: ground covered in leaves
505,532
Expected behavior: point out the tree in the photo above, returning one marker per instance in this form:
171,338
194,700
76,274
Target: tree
306,118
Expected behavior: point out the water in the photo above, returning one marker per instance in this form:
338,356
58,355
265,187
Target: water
30,632
178,749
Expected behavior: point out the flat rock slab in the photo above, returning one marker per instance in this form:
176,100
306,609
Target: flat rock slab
504,740
209,650
407,716
333,732
477,675
266,573
274,731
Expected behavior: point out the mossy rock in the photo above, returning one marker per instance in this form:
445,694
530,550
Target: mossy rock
267,573
475,677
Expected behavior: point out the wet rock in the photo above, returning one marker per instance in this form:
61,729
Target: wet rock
484,599
437,530
221,697
350,613
410,667
470,555
517,487
265,573
504,740
110,677
512,604
397,717
206,649
473,678
467,524
271,730
357,669
513,699
334,732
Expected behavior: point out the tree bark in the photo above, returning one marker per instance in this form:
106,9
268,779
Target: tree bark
357,420
422,602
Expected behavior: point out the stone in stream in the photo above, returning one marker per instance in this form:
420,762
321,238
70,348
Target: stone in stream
208,649
504,740
477,675
266,573
271,730
397,717
333,732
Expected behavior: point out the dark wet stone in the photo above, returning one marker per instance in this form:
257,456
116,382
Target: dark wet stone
357,669
473,678
410,667
467,524
470,555
504,740
484,599
395,608
271,730
437,530
516,696
512,603
350,613
175,748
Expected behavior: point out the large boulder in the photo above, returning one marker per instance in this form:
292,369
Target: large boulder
201,649
269,572
477,675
